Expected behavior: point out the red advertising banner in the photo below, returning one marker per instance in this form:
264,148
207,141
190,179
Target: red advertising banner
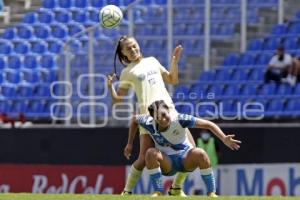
62,179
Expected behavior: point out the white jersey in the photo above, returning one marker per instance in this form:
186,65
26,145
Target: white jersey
174,140
281,64
145,78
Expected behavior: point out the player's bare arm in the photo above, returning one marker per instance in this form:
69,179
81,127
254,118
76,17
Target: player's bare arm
226,139
131,135
171,77
116,96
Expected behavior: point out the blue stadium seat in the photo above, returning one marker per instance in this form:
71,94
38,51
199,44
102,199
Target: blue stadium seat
62,15
271,43
30,76
9,33
255,45
75,28
198,90
49,75
181,92
93,14
45,16
31,61
216,89
35,109
292,108
59,31
264,59
14,61
30,18
284,89
39,46
6,47
223,74
291,43
127,2
240,75
24,31
1,79
297,89
80,16
249,89
257,74
207,76
267,89
280,29
231,59
97,3
48,61
114,2
3,63
21,46
65,3
274,108
12,76
25,90
160,2
81,3
43,91
8,90
41,31
247,59
294,29
49,4
232,90
54,46
147,2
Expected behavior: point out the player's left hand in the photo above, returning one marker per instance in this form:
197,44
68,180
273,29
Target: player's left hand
177,53
232,143
127,151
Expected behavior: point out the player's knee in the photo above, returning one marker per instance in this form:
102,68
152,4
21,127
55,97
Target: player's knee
201,156
152,154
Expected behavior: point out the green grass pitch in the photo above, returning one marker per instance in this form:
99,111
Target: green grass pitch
21,196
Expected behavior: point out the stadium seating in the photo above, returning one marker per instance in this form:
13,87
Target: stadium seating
30,51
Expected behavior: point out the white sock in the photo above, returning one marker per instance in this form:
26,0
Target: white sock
133,177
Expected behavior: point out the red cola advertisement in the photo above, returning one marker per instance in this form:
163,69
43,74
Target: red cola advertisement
62,179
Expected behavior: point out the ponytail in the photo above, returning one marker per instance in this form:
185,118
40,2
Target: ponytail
122,58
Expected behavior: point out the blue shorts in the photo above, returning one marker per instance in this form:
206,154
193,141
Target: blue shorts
177,163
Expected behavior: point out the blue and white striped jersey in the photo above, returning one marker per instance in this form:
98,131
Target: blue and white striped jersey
174,140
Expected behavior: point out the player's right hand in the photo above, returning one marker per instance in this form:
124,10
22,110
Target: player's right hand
110,79
127,151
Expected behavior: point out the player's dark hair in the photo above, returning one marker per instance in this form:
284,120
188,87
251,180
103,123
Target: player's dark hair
155,106
122,58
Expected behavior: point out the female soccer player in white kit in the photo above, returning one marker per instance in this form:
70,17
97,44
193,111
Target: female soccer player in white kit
146,76
173,151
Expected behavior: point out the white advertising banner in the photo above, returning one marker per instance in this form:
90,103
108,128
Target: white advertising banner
243,179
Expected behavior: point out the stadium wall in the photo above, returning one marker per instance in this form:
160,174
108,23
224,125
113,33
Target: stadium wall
105,146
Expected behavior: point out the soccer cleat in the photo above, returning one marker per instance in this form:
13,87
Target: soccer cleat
212,194
176,192
156,194
124,193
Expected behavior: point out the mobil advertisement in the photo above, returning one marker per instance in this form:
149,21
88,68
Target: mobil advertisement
245,179
62,179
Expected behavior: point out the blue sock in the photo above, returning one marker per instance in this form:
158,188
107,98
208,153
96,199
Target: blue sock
155,177
209,179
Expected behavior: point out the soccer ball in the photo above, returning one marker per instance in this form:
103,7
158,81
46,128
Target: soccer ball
110,16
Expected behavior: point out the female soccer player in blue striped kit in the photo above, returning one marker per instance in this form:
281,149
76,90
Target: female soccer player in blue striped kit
173,152
146,76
